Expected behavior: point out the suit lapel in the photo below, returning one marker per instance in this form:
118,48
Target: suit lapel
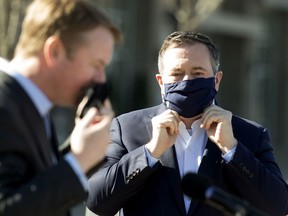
32,119
54,140
169,163
37,128
210,161
157,111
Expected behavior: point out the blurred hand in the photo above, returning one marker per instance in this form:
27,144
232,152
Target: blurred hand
90,137
165,130
217,123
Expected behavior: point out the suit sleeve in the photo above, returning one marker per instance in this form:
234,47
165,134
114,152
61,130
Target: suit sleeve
48,193
28,186
257,177
120,178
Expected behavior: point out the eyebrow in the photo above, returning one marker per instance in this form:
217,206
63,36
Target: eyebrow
199,68
176,69
193,68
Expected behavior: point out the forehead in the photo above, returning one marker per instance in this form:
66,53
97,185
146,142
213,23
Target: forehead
99,43
98,36
196,53
188,47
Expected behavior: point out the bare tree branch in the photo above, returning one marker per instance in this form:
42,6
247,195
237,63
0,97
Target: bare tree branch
11,15
189,14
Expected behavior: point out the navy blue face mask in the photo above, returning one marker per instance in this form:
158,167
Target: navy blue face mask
189,98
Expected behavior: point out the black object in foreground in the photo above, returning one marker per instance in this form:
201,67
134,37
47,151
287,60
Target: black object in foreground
96,97
202,189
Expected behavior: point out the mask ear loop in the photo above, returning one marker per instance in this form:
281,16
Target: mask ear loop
162,97
165,102
163,94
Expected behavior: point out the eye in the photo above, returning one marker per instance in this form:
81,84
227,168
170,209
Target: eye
198,74
176,74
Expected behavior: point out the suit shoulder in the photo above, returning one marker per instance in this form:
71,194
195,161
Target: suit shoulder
240,121
249,132
146,112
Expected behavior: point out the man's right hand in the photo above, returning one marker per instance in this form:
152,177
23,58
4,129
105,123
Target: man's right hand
90,137
165,130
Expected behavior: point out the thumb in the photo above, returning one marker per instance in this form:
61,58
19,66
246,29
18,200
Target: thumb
89,117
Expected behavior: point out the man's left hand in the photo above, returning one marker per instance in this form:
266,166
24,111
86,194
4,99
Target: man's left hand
217,123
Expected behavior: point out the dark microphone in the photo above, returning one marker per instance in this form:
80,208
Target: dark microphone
202,189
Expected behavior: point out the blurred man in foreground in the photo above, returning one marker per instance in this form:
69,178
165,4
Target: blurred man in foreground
63,50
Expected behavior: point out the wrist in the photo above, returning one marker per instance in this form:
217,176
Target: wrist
232,145
152,150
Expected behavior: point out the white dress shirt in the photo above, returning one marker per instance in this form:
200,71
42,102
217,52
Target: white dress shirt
190,145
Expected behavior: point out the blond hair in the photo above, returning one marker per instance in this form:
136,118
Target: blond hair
66,19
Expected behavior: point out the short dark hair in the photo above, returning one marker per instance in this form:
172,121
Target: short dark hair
189,37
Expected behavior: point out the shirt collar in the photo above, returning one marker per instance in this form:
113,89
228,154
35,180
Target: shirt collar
40,100
183,131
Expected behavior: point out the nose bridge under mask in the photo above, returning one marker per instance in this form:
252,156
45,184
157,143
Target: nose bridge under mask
190,97
189,86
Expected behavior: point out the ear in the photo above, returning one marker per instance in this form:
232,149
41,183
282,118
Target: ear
53,50
159,79
218,78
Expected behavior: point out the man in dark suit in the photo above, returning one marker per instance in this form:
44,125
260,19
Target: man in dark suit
62,51
152,149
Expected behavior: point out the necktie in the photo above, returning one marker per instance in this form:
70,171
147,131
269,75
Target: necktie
51,135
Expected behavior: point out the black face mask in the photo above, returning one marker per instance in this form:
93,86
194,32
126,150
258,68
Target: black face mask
189,98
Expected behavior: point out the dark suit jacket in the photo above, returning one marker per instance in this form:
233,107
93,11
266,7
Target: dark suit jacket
126,183
29,183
